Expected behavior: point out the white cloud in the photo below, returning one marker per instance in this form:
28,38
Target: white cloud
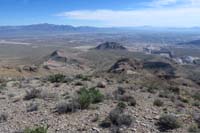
186,15
159,3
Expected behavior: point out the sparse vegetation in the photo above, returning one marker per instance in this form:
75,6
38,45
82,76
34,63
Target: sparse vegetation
83,100
32,107
129,99
194,129
117,117
196,96
168,122
3,117
158,102
67,107
83,77
33,93
57,78
39,129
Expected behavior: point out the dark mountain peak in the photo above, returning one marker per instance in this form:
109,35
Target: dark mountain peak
110,46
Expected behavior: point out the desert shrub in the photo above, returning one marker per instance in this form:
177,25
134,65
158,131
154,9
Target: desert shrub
121,105
84,99
56,78
33,93
158,103
175,90
197,120
95,95
194,129
164,94
2,86
79,83
124,120
88,96
130,99
114,115
83,77
196,96
67,107
3,117
168,122
39,129
183,99
32,107
118,117
117,94
196,103
47,95
152,86
121,91
106,123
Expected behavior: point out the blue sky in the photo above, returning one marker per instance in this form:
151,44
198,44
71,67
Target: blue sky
103,13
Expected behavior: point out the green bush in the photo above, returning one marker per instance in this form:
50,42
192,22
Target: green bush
57,78
168,122
84,98
95,95
40,129
121,105
88,96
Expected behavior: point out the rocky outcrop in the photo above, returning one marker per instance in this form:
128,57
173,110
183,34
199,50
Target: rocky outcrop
126,65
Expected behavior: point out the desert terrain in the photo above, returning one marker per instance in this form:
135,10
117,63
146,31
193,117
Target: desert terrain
133,82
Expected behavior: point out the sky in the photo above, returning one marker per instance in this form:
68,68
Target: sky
102,13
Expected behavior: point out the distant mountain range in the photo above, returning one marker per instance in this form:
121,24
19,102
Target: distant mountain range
194,43
46,29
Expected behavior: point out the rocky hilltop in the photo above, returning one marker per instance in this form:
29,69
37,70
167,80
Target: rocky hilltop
125,65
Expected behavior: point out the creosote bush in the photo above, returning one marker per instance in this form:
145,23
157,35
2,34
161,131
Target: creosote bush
88,96
158,102
39,129
67,107
118,118
168,122
83,100
57,78
129,99
33,93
